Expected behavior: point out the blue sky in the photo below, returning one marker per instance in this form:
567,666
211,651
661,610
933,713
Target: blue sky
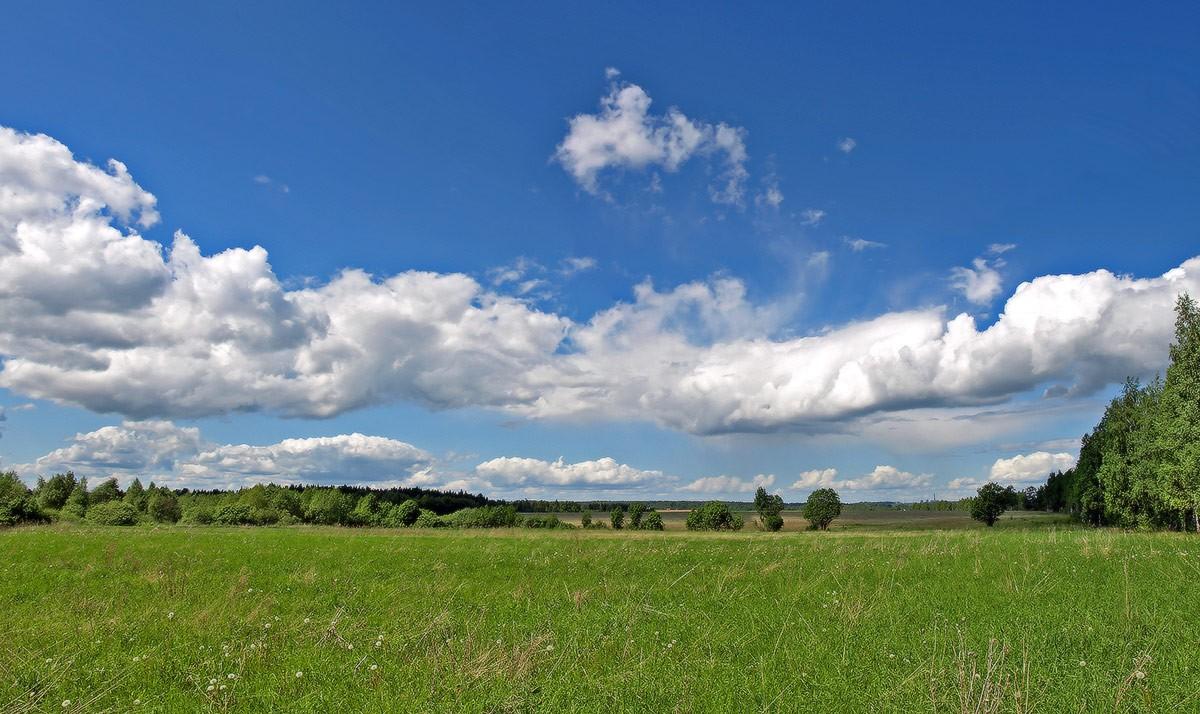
432,139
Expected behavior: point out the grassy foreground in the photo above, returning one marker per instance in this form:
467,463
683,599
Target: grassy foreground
306,619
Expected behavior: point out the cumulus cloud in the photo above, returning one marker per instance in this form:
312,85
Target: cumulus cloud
728,484
94,314
604,473
1030,468
625,135
180,456
980,283
881,478
858,245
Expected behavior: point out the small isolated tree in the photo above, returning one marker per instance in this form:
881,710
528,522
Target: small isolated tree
990,502
652,521
586,519
162,506
822,507
769,507
714,516
636,511
617,517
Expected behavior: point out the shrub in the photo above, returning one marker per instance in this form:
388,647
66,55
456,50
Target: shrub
112,513
136,495
287,519
198,515
162,506
77,502
483,517
822,507
17,504
428,519
772,522
714,516
55,492
617,518
329,507
234,514
586,519
285,501
548,522
366,511
652,521
399,515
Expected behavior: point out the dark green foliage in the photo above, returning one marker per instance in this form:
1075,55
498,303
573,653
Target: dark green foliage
287,502
483,517
135,495
822,507
636,511
366,512
55,492
769,508
112,513
162,506
106,491
328,507
714,516
428,519
17,504
546,522
652,521
77,502
234,514
586,519
198,515
990,503
400,516
617,518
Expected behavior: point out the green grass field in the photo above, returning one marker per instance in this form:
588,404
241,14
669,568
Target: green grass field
1021,619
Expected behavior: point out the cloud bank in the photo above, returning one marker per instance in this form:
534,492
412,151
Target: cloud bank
94,314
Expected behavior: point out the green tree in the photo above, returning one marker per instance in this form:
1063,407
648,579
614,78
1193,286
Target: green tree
17,504
135,495
77,502
112,513
163,506
636,511
1177,442
55,492
586,519
989,503
366,511
652,521
328,506
106,491
822,507
769,508
617,518
713,516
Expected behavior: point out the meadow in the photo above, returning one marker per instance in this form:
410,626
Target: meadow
1025,617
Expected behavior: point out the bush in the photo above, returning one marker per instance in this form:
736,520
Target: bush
77,502
652,521
198,515
548,522
428,519
586,519
400,516
234,514
286,502
822,507
636,511
483,517
714,516
55,492
617,517
112,513
329,507
772,522
106,491
162,506
17,504
770,508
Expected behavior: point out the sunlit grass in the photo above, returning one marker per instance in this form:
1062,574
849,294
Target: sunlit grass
305,619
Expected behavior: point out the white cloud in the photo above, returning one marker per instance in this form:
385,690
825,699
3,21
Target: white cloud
179,456
981,283
812,216
1031,468
771,196
728,484
1000,248
624,135
885,478
814,479
847,145
576,264
858,245
603,473
93,314
264,180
